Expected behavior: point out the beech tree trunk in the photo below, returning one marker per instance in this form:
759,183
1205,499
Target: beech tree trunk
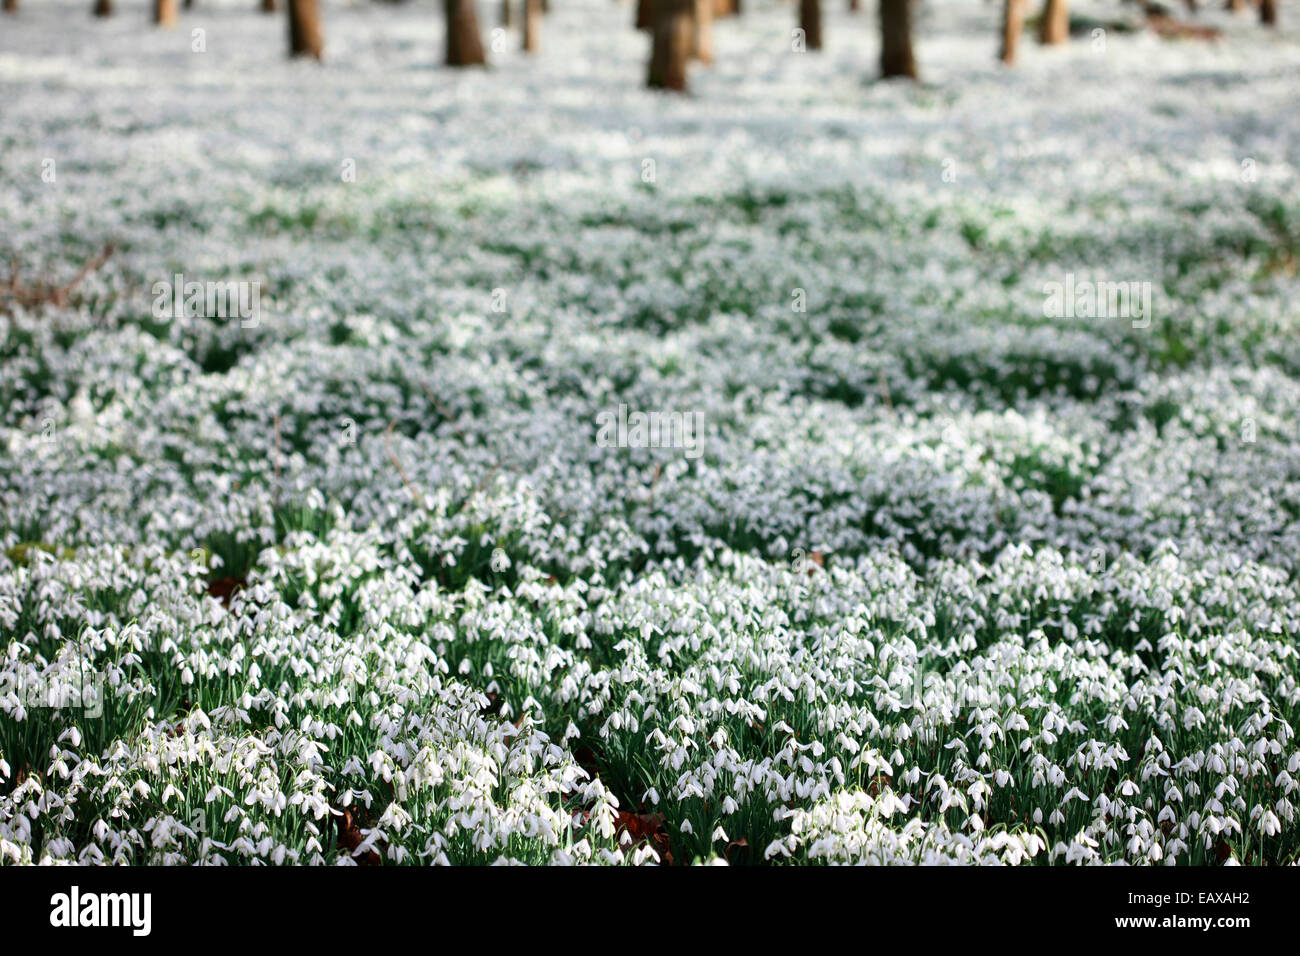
702,31
645,14
673,31
896,39
532,26
1013,21
810,21
103,8
1054,27
164,12
1268,12
464,48
305,38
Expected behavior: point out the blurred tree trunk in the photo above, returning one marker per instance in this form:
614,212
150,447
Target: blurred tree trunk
11,6
532,26
1236,6
507,13
854,6
1013,21
723,8
464,48
702,31
896,39
268,6
1268,12
103,8
645,14
673,31
305,37
164,13
1054,27
810,21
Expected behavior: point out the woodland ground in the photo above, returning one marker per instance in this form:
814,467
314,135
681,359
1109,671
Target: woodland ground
951,580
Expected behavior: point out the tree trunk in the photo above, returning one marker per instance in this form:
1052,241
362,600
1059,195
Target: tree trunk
854,6
305,37
723,8
464,48
164,13
103,8
810,21
11,6
507,13
1268,12
1054,27
896,39
268,6
1013,20
1236,6
532,26
672,45
702,31
645,14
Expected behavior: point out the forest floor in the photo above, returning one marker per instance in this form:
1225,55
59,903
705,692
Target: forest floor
934,557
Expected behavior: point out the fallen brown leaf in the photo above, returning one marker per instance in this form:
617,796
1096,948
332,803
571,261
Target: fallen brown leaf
223,589
646,828
734,846
351,837
1172,29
